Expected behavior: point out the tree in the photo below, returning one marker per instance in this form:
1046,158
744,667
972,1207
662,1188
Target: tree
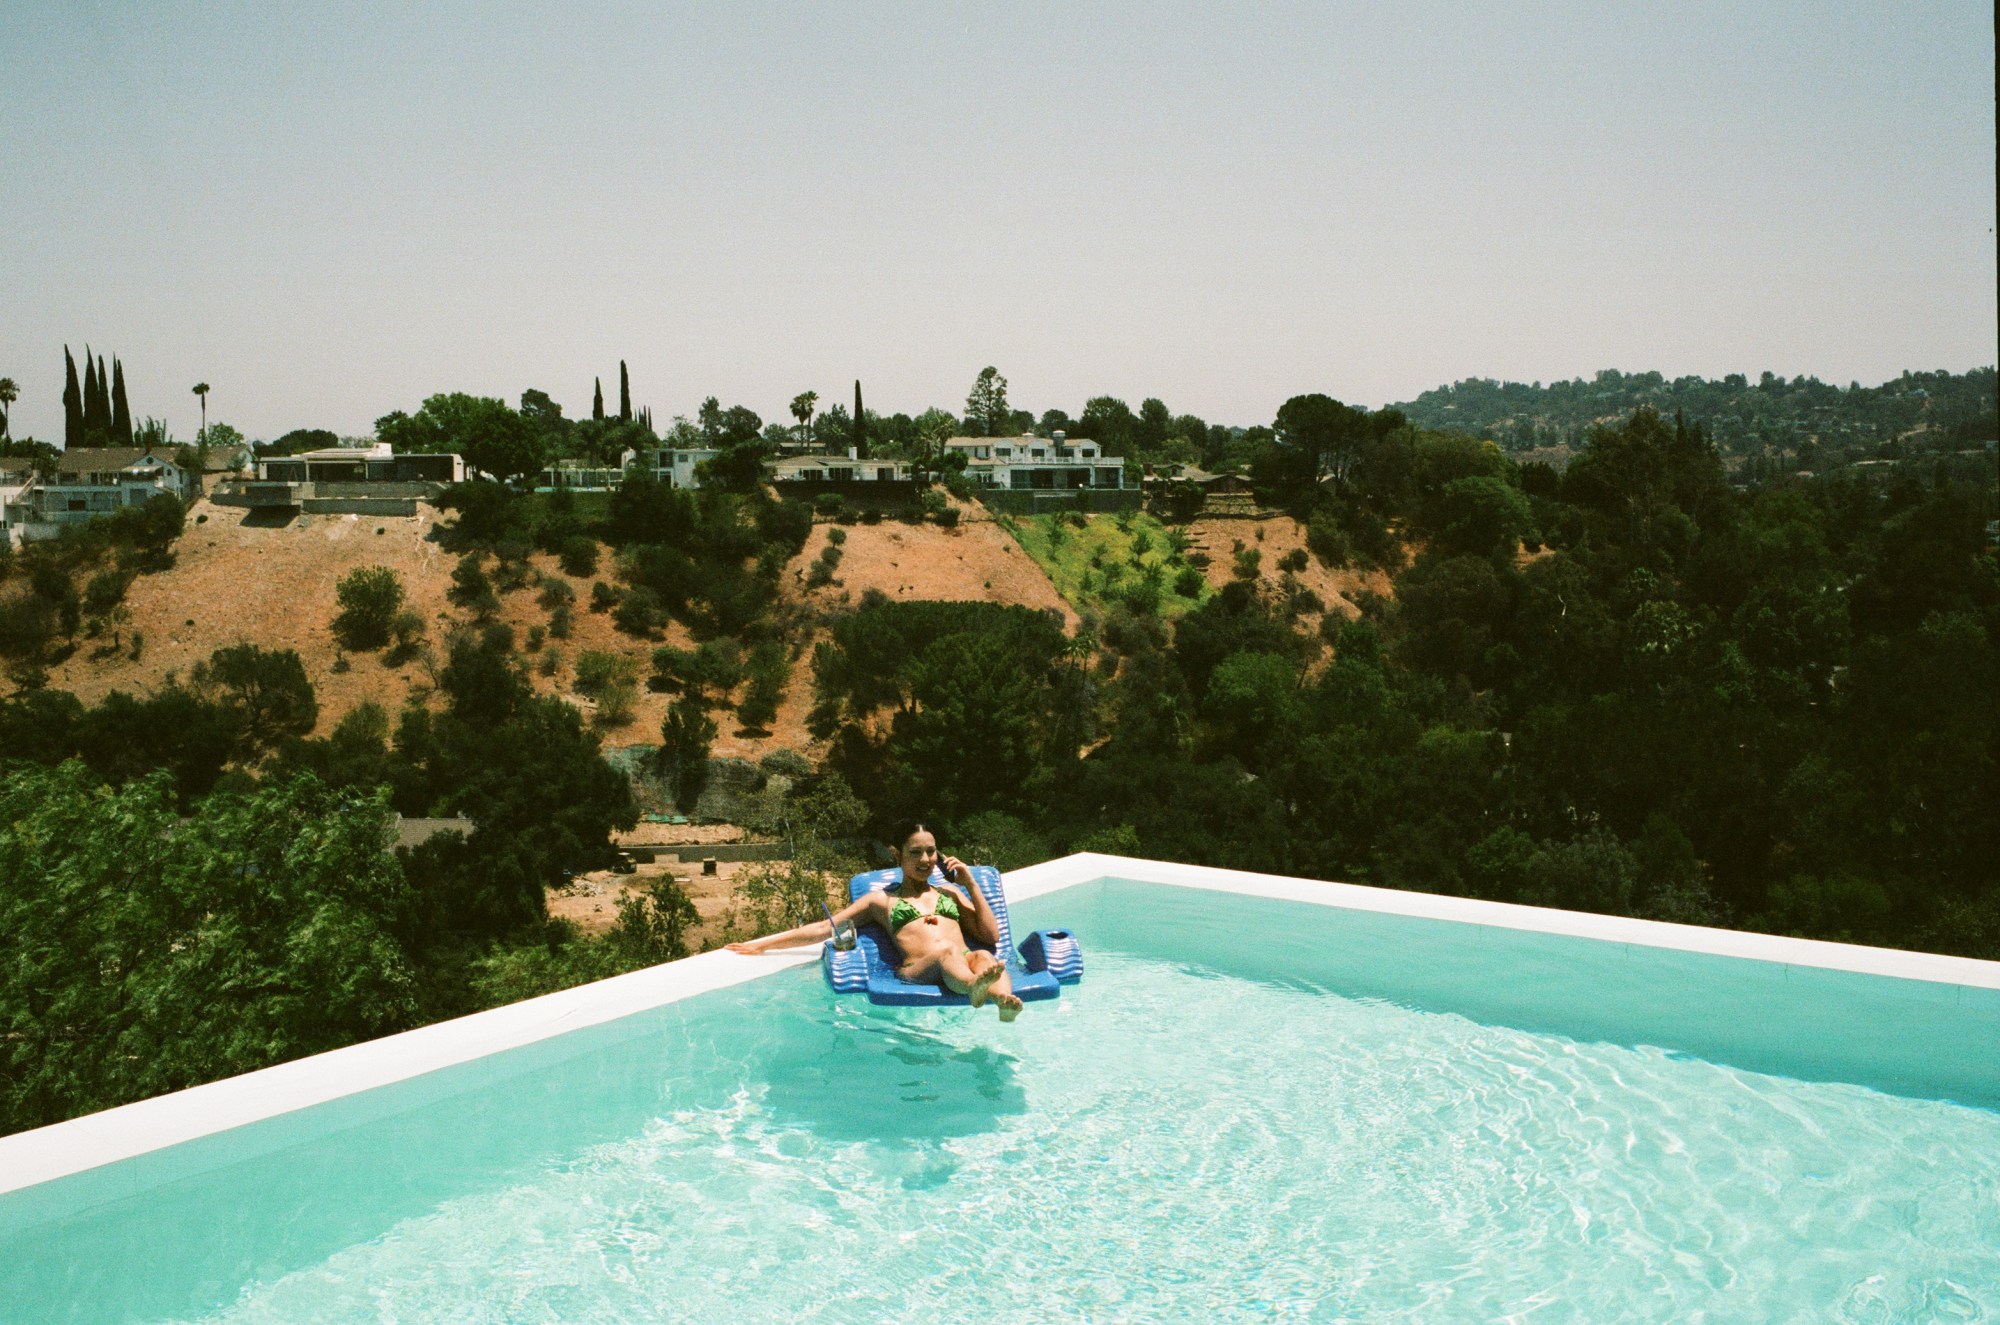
624,394
1323,437
988,401
597,400
201,390
860,424
687,734
96,424
491,437
258,929
268,688
1109,421
121,413
72,404
369,599
1480,517
802,410
9,393
932,429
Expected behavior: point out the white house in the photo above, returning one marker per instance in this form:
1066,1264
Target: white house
1050,463
91,481
16,473
845,468
675,465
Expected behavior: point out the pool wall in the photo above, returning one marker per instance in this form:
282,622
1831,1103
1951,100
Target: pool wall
99,1140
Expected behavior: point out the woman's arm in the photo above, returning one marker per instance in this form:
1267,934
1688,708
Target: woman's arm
979,926
816,932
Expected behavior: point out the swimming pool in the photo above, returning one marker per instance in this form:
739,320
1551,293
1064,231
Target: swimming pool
1253,1108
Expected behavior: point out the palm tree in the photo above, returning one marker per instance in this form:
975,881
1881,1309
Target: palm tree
802,410
10,392
201,389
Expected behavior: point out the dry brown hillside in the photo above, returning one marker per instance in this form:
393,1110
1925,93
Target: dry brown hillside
241,580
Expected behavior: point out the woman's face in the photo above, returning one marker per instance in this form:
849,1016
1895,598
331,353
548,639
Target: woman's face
919,856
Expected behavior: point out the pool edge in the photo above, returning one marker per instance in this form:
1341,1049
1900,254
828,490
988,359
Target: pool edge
60,1150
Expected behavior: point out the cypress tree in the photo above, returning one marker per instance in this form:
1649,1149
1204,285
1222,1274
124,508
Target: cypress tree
624,394
597,400
121,413
92,428
103,400
860,425
72,404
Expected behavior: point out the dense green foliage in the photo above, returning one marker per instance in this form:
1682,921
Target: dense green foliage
148,952
1768,708
1816,423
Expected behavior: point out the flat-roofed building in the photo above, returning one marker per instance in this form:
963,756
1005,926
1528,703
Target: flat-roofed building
1030,463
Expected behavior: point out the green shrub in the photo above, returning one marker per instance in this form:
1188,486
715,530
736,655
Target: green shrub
1188,582
603,597
598,671
638,613
555,593
836,536
369,599
578,555
105,591
470,588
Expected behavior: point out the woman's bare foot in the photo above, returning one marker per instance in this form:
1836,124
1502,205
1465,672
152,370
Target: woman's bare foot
1010,1006
982,979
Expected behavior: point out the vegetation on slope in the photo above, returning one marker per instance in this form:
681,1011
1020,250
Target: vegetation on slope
1130,560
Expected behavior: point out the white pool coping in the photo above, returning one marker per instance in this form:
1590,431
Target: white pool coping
48,1153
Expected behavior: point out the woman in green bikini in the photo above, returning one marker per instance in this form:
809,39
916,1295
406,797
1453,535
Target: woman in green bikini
935,929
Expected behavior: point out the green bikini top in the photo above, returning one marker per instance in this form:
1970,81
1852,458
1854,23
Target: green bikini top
904,911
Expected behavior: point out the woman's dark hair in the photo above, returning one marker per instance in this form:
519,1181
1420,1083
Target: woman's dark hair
901,831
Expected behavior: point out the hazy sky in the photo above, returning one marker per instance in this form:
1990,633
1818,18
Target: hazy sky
329,211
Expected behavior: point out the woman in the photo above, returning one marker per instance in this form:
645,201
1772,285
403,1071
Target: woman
934,928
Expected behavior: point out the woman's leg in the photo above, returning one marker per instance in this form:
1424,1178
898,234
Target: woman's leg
972,973
1002,993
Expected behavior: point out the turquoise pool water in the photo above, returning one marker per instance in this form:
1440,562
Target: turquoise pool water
1250,1111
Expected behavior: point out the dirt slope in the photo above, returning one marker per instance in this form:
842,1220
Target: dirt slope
237,579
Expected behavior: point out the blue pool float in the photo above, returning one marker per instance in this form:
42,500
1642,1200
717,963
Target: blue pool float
1045,962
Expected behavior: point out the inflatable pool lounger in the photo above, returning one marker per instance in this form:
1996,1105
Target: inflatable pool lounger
1046,961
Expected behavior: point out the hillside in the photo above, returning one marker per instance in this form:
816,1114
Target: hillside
239,579
1773,416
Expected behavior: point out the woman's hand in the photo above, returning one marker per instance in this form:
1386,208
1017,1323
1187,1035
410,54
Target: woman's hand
749,949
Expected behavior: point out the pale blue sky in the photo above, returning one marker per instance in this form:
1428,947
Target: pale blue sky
331,211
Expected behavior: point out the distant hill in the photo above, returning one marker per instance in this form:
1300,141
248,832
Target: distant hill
1802,417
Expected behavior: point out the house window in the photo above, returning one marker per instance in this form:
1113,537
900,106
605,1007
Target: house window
885,475
1004,452
1041,453
1087,452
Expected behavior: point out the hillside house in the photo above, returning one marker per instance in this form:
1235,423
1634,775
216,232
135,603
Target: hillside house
16,472
351,480
91,481
675,465
837,468
1038,464
361,464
